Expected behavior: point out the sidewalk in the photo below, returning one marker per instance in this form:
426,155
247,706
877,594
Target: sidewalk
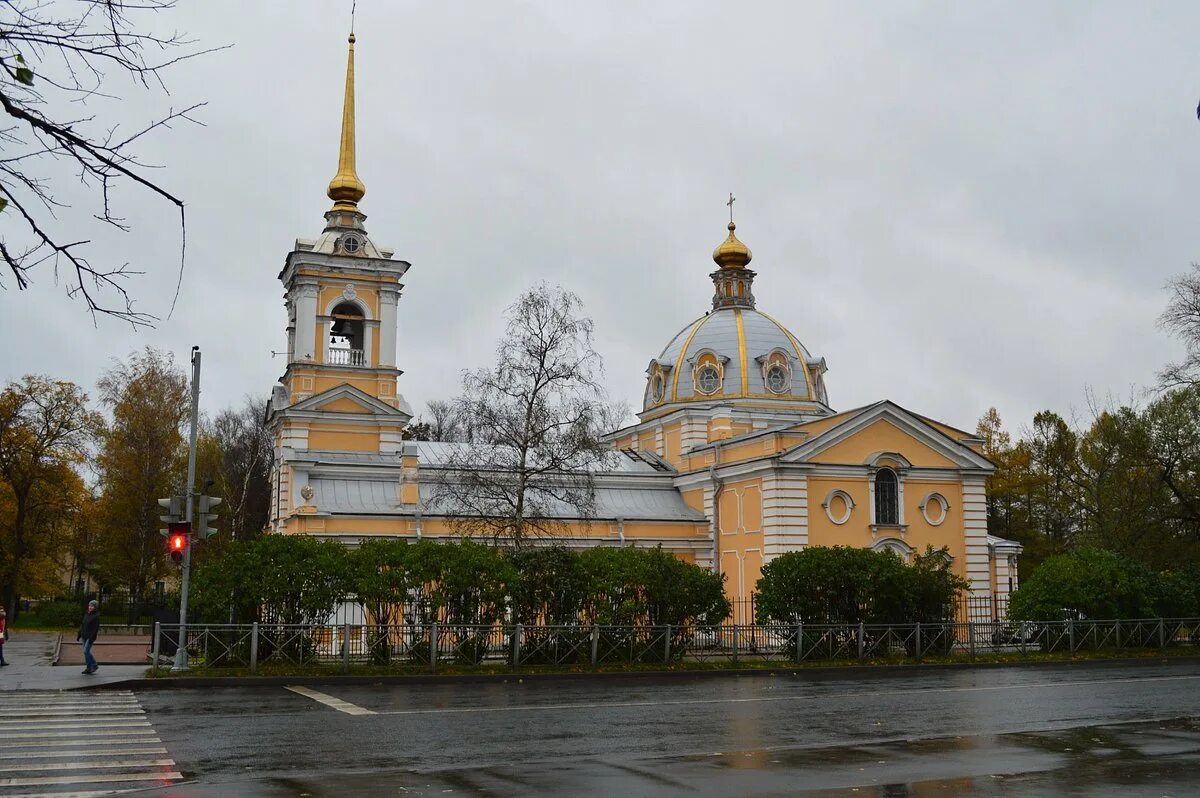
30,668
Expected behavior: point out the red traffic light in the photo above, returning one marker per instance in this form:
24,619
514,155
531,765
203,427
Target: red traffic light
177,540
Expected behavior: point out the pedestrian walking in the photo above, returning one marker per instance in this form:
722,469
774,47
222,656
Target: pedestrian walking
89,630
3,634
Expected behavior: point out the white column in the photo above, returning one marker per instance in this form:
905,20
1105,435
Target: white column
387,328
306,323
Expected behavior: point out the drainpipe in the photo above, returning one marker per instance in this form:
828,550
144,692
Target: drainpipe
621,530
417,517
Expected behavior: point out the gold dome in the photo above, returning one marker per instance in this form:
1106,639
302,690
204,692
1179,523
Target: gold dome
732,254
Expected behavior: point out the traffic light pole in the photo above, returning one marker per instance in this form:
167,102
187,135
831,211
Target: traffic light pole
181,662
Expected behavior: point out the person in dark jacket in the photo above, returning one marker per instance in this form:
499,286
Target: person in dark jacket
3,633
89,630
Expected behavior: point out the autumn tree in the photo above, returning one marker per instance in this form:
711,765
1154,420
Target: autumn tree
439,422
62,66
45,429
534,422
142,458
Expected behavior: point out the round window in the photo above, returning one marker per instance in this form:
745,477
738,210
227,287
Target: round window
708,380
657,387
776,378
351,244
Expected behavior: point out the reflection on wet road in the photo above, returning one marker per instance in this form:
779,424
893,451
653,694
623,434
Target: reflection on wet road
1117,729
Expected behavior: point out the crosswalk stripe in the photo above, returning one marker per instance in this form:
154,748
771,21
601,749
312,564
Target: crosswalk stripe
141,738
123,763
74,734
60,725
59,744
81,754
95,778
84,794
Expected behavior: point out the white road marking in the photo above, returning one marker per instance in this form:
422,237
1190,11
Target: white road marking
33,712
768,699
81,754
87,794
330,701
142,738
124,763
24,735
38,725
37,781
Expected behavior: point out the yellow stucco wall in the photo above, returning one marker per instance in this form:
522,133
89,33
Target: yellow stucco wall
882,436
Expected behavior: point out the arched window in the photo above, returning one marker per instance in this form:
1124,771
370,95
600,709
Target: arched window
887,497
777,378
346,336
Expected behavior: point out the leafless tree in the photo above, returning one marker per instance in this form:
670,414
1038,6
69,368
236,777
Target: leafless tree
1182,319
443,424
534,422
244,457
56,59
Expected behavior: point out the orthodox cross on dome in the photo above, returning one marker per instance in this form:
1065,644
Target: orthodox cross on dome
733,281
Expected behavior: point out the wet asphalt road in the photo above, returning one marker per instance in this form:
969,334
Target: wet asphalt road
1118,729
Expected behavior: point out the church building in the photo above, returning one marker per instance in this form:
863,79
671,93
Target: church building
737,456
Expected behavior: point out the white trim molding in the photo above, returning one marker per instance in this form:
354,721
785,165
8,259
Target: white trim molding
829,500
938,499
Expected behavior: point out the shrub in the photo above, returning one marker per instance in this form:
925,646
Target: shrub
844,585
1099,585
57,614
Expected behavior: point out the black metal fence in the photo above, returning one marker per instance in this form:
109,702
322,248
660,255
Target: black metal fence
428,647
967,608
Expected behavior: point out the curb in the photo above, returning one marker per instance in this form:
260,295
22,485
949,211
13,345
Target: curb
832,672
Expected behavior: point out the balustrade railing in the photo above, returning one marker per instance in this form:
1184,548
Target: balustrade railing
426,647
346,357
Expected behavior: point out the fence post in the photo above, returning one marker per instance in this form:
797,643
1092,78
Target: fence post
1117,632
1162,638
154,648
735,644
346,647
1071,635
861,641
595,644
800,642
433,647
918,641
254,647
667,644
971,636
516,644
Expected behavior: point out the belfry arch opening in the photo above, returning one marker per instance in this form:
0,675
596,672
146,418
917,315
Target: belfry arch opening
346,336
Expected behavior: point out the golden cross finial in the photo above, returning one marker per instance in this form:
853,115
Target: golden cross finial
732,199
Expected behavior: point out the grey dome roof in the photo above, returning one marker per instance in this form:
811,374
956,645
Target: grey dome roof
742,354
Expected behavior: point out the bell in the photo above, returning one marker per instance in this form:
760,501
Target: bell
338,328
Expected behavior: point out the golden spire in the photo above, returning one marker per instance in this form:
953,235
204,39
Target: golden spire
346,189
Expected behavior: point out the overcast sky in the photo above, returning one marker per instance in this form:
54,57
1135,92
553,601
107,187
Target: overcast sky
957,205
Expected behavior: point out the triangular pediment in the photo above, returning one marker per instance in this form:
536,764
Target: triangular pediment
344,399
882,429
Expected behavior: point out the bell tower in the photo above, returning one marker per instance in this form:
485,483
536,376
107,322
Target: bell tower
341,291
337,400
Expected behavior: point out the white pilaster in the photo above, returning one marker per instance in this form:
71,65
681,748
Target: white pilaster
785,514
306,323
387,328
974,504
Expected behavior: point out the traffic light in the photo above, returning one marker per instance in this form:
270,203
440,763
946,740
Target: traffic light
174,508
206,514
177,540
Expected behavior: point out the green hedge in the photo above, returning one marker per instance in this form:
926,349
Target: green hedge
846,585
299,579
1099,584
